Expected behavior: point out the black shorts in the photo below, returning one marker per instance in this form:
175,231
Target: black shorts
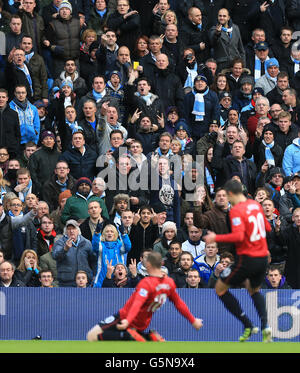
246,267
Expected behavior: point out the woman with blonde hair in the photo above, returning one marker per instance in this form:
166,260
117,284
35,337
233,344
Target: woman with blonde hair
4,186
110,249
28,269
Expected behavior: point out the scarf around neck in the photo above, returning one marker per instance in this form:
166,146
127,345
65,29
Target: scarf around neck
199,104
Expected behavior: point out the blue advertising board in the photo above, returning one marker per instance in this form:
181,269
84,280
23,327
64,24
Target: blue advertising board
68,313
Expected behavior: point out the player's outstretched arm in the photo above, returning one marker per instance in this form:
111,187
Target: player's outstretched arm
197,324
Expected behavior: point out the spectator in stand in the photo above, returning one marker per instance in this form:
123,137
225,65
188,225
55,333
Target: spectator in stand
226,260
81,279
14,35
45,235
201,107
206,263
216,219
193,280
275,279
119,276
169,231
171,259
47,279
268,81
291,161
126,22
7,278
72,253
275,95
76,206
180,274
60,46
226,40
89,225
80,157
28,269
28,115
60,181
42,162
290,237
110,249
194,244
56,214
287,131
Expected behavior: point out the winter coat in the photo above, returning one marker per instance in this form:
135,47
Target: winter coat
14,77
191,37
141,239
212,112
81,165
39,77
259,153
113,252
128,29
179,276
29,277
226,48
291,158
79,257
291,238
42,164
265,83
203,268
29,122
76,207
33,26
282,284
52,189
10,135
293,14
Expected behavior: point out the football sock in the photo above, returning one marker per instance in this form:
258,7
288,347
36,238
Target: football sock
233,306
260,305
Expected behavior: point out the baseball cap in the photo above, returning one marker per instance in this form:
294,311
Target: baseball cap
72,222
261,46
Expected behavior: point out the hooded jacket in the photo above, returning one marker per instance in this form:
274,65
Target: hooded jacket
291,158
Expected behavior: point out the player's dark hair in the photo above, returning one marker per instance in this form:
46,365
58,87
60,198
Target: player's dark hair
233,186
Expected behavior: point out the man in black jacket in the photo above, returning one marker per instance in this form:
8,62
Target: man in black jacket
194,35
7,270
10,135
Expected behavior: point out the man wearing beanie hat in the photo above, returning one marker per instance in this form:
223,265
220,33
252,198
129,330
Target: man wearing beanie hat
60,181
201,107
76,206
63,47
243,96
42,162
269,80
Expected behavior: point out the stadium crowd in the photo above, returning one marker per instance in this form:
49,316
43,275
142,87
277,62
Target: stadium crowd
121,121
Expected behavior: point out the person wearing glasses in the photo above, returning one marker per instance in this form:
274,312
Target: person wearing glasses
7,279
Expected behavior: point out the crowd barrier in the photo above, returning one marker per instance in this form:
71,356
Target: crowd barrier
68,313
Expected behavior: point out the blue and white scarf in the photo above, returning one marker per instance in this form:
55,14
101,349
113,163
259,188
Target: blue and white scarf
257,68
268,153
28,77
73,126
29,56
25,191
146,98
192,73
199,105
271,78
98,96
228,31
296,65
11,214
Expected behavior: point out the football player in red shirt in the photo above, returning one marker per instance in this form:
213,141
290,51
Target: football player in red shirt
135,316
248,226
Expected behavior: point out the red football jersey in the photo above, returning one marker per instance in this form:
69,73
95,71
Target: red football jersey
150,294
248,226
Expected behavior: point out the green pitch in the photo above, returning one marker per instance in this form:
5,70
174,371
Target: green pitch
148,347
